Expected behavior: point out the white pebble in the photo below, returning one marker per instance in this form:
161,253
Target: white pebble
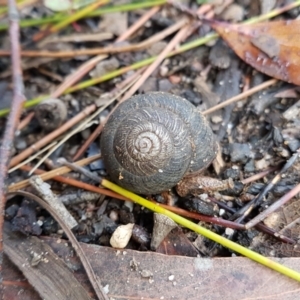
171,277
121,236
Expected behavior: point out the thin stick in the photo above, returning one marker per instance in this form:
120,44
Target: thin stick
29,159
104,50
177,38
96,13
257,200
48,138
241,96
74,17
25,121
13,119
48,175
75,183
283,200
148,15
258,176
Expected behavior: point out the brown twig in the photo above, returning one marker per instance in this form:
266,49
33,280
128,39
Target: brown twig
54,134
94,280
260,226
72,182
48,175
25,121
106,50
204,218
15,113
175,41
139,23
258,176
241,96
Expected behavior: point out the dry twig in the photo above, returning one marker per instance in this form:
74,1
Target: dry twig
16,109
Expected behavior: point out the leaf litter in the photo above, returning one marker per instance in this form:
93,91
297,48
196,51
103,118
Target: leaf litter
270,48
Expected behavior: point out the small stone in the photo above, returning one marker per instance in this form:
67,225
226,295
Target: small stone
129,205
266,6
171,277
115,23
20,143
106,289
156,48
105,66
216,119
164,85
239,152
249,166
229,231
163,71
149,85
113,215
234,13
121,236
261,164
146,274
86,133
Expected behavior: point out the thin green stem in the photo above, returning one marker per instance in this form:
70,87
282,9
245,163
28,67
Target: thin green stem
59,17
203,231
111,75
145,62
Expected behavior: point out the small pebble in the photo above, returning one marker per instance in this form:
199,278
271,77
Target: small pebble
216,119
121,236
156,48
85,134
171,277
129,205
261,164
234,13
113,215
20,143
105,66
239,152
146,274
229,231
164,85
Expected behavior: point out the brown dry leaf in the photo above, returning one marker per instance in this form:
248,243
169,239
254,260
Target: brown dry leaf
176,243
271,48
174,277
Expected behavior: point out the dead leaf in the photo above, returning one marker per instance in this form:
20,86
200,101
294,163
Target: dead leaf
176,243
174,277
271,48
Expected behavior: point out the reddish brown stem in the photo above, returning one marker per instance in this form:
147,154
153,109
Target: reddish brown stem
78,184
14,116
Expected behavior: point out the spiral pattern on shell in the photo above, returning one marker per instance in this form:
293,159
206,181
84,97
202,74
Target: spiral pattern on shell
151,141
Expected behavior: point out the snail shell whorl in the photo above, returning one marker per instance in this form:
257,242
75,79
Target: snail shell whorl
151,141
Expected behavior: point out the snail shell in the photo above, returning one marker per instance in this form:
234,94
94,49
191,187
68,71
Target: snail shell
151,141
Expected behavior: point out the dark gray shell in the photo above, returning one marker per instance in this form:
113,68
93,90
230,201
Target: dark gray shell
152,140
